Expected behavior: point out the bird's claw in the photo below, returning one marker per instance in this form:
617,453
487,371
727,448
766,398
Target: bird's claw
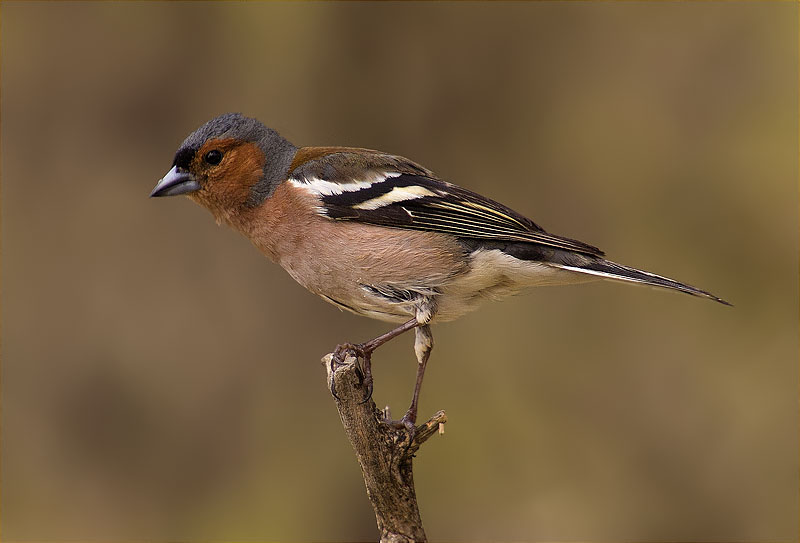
344,349
407,423
357,351
367,378
337,361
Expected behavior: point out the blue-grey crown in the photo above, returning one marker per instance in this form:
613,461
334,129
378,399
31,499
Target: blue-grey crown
230,125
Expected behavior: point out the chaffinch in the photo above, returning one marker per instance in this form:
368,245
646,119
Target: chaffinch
377,234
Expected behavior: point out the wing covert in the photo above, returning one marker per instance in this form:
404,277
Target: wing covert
398,193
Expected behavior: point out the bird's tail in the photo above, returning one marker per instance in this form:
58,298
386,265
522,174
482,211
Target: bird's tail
611,270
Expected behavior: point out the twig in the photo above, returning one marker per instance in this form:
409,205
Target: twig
383,452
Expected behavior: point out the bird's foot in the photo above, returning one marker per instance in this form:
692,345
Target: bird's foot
359,352
408,423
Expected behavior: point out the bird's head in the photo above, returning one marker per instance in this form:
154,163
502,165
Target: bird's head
229,163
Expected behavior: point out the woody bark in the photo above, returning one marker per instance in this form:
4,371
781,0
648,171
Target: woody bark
383,452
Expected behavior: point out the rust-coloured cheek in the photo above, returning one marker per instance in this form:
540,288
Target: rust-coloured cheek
227,186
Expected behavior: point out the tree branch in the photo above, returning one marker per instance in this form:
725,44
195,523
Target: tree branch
383,452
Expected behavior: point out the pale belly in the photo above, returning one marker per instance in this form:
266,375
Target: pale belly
494,275
490,275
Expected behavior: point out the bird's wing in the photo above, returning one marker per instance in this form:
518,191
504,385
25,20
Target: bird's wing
375,188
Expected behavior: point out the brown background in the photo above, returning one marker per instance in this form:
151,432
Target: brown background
160,377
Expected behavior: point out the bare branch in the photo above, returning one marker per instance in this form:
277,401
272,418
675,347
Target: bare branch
383,452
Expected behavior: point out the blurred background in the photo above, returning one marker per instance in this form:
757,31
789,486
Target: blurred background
160,378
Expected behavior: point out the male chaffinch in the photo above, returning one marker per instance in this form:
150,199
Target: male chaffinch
377,234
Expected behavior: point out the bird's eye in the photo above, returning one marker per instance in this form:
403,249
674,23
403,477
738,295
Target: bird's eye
213,157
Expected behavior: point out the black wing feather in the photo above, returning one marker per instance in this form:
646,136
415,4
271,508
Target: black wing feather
450,209
453,210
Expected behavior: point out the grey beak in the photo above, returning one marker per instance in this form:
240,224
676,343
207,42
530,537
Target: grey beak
174,183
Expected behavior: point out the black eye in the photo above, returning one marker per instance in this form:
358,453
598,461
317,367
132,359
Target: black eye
213,157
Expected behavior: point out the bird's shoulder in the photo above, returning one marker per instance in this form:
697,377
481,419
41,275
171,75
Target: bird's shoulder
348,164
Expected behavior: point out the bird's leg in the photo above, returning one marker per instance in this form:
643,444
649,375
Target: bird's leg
364,351
423,344
373,344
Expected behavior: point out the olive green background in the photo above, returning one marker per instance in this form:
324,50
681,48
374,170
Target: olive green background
161,378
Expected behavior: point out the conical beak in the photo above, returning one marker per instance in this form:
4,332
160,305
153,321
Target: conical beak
175,182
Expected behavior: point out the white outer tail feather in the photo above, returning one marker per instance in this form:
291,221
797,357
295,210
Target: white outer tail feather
656,281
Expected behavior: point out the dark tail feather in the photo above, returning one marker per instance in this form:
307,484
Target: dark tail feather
611,270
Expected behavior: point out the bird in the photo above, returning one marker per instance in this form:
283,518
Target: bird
377,234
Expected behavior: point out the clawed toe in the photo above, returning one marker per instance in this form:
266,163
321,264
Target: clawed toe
341,352
337,361
407,423
358,352
367,385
